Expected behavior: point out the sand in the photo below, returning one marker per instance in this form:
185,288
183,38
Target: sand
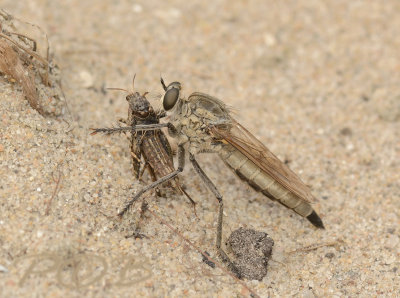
317,82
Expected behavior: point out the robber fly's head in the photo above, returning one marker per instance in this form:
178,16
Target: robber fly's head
171,95
139,106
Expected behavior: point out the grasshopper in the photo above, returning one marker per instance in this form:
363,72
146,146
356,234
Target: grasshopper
149,149
203,124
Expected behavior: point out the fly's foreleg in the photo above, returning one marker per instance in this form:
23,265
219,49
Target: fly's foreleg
133,129
181,164
215,191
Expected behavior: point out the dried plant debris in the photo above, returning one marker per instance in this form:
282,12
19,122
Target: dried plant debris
252,250
20,63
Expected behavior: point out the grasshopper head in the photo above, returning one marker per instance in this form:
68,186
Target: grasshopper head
139,106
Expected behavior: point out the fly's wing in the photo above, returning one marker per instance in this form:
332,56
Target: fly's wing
240,138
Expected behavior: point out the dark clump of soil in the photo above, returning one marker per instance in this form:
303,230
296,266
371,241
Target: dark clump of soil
252,250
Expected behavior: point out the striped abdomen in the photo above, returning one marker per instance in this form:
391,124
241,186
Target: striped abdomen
248,171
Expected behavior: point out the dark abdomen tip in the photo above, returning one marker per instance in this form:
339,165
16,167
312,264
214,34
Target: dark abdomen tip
315,220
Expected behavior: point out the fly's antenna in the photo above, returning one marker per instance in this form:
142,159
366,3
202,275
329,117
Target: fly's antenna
163,83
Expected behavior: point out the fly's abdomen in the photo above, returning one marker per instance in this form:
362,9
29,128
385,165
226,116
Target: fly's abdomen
248,171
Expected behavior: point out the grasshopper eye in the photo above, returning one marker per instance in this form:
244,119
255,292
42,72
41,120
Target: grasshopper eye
171,96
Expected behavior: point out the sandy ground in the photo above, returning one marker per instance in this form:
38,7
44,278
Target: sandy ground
317,82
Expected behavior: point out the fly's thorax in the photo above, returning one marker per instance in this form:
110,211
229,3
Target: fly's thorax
210,103
192,118
206,116
186,124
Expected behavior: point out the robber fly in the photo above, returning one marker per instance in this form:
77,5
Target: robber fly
149,149
204,124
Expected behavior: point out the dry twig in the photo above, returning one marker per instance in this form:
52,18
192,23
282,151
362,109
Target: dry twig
316,246
12,66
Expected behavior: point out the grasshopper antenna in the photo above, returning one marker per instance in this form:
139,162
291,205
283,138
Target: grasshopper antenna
120,89
133,82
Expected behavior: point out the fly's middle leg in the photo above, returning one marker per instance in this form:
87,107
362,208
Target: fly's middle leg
215,191
181,164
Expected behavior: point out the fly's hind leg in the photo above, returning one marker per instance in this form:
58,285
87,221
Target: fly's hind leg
214,190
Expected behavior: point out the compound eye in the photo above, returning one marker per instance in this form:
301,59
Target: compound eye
170,98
